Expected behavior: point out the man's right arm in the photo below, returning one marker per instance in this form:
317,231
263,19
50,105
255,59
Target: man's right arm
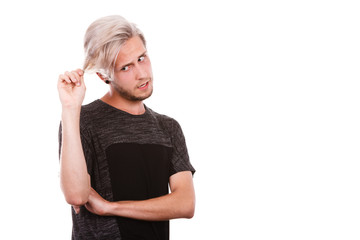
74,177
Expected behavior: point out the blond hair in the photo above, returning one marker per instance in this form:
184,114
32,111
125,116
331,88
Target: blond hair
103,40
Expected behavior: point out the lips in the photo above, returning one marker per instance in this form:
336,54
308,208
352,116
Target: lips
144,85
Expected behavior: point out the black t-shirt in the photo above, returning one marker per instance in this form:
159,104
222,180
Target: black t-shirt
129,157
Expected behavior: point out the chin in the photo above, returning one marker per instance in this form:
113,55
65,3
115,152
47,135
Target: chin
147,96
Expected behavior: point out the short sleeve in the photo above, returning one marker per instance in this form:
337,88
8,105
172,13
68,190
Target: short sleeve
180,158
86,145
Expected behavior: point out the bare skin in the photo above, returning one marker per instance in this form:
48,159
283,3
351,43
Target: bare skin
131,84
74,179
180,203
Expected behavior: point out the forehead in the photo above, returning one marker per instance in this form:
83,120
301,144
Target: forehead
130,51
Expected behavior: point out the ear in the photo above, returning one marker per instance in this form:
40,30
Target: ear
102,77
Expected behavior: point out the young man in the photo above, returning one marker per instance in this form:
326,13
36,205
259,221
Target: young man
117,156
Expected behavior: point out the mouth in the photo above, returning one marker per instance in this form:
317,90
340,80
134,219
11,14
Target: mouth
144,85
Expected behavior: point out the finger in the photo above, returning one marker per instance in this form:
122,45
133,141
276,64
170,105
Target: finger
75,78
79,75
88,207
76,209
65,78
82,81
80,72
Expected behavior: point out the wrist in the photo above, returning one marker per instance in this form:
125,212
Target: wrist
71,108
109,208
70,112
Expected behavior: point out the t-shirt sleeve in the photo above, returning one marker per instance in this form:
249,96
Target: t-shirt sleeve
180,158
86,145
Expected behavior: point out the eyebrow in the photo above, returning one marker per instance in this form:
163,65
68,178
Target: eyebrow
124,65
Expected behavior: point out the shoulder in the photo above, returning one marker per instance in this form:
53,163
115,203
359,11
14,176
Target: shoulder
92,110
160,117
90,113
168,124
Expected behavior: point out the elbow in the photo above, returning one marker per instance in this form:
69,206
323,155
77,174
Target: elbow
75,195
76,199
189,210
189,214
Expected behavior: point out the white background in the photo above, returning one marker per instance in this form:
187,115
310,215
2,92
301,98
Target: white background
267,93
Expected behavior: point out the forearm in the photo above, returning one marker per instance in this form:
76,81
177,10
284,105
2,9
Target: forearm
166,207
180,203
74,178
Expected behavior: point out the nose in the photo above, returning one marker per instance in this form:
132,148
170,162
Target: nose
141,72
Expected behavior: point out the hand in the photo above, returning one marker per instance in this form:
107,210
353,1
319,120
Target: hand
97,205
76,209
72,88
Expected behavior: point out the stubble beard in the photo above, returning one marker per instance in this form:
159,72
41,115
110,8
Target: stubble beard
128,95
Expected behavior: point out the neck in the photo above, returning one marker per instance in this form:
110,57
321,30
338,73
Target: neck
132,107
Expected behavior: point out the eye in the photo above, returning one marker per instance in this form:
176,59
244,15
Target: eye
125,68
141,59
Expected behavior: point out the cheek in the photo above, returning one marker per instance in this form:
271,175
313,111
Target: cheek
148,68
123,77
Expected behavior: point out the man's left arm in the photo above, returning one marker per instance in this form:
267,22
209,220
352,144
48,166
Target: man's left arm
180,203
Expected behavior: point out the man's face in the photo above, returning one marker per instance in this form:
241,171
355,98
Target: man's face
133,78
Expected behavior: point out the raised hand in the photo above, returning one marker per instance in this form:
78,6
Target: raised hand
72,88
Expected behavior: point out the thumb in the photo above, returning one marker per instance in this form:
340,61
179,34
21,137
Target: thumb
81,75
82,80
